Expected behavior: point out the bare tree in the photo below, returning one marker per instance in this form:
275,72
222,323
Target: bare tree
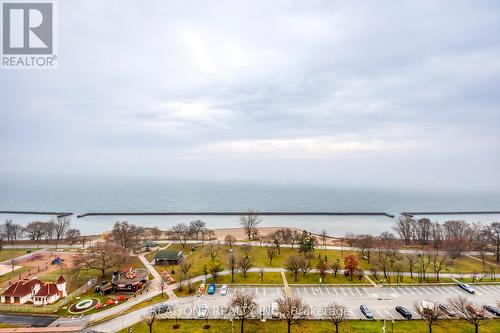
72,236
293,264
437,236
271,253
49,230
243,306
182,232
102,257
212,250
244,265
492,234
468,311
126,235
61,226
440,263
277,239
230,240
422,231
292,309
196,227
336,313
429,312
163,285
245,250
232,264
365,243
412,261
323,237
423,263
34,231
149,319
456,236
12,231
335,267
249,222
404,228
323,266
305,264
156,233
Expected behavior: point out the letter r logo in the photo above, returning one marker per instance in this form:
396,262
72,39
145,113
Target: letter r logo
27,28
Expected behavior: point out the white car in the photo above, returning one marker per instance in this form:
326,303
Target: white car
203,311
223,289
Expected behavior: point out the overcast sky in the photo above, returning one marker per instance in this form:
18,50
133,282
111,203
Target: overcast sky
383,93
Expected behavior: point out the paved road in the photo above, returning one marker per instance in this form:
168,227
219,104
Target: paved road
380,300
26,320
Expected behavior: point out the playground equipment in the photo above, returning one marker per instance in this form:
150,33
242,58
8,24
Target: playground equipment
57,261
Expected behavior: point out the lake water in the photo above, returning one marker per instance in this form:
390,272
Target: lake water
97,193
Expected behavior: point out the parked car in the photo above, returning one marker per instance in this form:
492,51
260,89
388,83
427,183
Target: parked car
475,311
491,309
275,310
203,311
367,313
211,289
446,309
467,288
404,312
223,290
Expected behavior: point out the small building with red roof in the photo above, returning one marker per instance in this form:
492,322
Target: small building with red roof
34,291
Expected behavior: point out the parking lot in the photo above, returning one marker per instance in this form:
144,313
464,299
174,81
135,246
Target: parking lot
381,301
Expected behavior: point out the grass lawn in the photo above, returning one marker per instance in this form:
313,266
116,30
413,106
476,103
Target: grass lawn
199,258
413,326
150,255
251,278
15,274
6,254
313,278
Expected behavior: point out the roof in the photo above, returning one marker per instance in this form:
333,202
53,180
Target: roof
48,289
168,255
21,288
150,243
61,279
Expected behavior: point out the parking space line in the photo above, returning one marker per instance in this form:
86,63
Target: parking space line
426,290
345,294
305,290
394,290
389,314
335,289
366,291
437,289
350,289
380,314
359,292
418,291
320,291
328,291
410,291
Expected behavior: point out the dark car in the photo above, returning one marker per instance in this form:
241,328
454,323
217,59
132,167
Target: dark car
447,310
404,312
492,310
367,313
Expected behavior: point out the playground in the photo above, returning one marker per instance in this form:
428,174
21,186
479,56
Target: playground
36,264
